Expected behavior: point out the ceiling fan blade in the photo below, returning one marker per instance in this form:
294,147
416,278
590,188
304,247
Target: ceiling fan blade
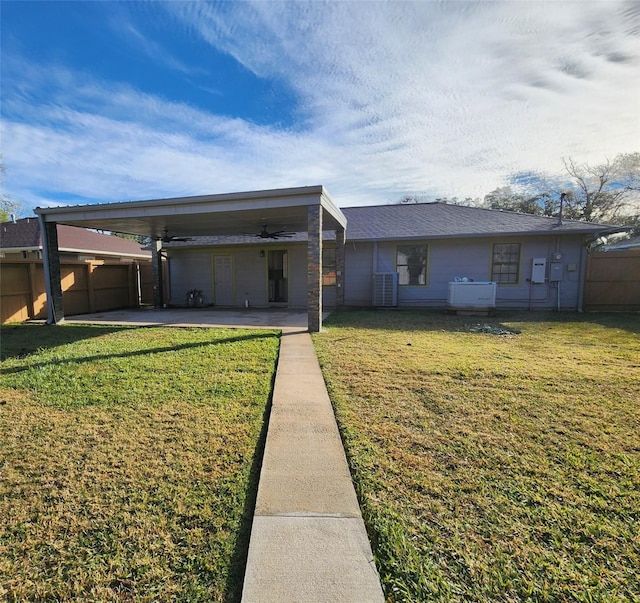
168,239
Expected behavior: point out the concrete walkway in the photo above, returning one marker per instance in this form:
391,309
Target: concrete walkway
308,541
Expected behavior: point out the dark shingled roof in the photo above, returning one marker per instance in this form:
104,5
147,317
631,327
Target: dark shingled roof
441,220
428,221
25,234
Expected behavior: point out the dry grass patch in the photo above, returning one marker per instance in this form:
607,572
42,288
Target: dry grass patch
128,461
493,467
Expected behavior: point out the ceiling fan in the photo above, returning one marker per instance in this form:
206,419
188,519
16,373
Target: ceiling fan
276,234
165,238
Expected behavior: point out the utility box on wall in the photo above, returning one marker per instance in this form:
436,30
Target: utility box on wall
538,270
555,271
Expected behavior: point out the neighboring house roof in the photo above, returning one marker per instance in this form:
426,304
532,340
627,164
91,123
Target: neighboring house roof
428,221
441,220
24,235
633,243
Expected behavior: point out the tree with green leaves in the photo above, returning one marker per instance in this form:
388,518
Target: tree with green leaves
505,198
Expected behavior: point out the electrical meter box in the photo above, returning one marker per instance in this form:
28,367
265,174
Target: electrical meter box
555,271
538,270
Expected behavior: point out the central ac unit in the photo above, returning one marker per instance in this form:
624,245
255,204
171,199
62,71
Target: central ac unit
385,289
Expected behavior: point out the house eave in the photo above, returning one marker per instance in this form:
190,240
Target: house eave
19,249
489,235
135,256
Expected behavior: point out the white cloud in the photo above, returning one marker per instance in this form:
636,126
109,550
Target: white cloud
140,146
456,93
436,98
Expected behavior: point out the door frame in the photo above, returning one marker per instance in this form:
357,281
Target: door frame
233,278
287,269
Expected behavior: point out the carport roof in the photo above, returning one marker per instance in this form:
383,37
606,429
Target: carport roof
205,215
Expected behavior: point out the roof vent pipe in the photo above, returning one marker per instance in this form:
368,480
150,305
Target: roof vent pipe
563,196
13,218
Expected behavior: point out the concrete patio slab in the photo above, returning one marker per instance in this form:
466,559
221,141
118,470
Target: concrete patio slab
252,318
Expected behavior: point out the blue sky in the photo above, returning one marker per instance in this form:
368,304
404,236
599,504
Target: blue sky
113,101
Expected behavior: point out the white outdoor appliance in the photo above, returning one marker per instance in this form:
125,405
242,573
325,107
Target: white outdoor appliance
472,295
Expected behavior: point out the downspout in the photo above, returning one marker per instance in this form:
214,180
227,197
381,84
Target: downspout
374,259
557,252
582,270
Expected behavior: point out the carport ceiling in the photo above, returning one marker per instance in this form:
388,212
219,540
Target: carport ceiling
207,215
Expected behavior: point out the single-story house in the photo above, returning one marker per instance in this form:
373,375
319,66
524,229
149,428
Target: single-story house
419,248
22,239
296,248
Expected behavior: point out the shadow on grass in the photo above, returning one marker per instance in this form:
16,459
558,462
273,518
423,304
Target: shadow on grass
439,320
20,341
143,352
235,581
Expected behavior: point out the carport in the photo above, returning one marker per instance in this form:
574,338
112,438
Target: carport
304,209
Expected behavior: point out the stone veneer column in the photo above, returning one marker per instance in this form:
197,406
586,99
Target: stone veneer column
340,240
314,268
156,264
52,276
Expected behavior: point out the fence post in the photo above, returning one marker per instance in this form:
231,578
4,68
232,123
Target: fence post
90,291
33,292
132,280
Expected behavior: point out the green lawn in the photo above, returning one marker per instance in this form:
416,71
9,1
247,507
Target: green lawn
493,467
129,461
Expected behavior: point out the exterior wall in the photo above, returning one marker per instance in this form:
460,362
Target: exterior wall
250,275
447,259
358,273
329,297
187,270
194,269
471,258
298,276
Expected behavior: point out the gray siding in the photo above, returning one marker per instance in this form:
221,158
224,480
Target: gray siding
249,275
358,274
193,269
447,259
471,258
329,297
297,276
190,269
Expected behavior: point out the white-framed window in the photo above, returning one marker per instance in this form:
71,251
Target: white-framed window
505,265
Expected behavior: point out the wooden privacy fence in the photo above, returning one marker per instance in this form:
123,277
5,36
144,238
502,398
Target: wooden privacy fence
93,286
613,281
